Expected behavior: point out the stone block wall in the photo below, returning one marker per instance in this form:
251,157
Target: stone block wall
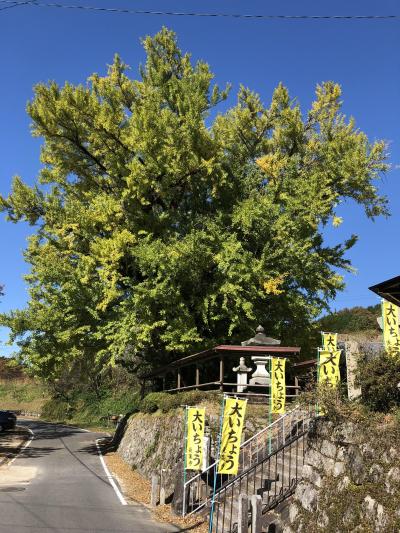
350,481
152,443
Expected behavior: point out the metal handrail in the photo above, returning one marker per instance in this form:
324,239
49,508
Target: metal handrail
193,485
270,426
281,469
253,468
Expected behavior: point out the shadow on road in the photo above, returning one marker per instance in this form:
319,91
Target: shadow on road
37,451
105,445
48,432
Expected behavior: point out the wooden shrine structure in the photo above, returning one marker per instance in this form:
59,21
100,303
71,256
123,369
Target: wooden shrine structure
214,369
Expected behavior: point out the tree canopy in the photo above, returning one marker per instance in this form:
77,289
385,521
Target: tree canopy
162,226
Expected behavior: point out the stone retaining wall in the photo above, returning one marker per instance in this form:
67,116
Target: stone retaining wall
351,481
152,443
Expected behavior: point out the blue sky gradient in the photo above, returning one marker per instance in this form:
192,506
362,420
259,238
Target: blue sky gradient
38,44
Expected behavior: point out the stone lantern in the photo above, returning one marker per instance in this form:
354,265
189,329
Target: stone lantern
242,370
261,375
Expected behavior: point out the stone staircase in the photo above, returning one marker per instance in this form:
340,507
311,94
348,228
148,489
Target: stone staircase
199,488
273,477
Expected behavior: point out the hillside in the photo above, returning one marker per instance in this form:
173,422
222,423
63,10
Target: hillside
350,320
18,391
355,323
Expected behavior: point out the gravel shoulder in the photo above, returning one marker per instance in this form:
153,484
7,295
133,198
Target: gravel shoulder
136,488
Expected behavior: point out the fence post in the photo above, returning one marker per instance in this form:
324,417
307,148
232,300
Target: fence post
155,486
296,384
162,487
243,509
221,374
256,513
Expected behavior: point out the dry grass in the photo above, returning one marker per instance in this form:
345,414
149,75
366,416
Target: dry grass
33,406
137,488
368,335
22,394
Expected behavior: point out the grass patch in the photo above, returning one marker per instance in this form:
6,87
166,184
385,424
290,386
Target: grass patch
90,410
23,395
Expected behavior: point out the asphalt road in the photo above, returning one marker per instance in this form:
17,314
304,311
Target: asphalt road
58,484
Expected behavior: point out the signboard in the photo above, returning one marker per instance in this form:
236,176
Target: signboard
391,336
232,427
278,385
329,342
195,434
329,367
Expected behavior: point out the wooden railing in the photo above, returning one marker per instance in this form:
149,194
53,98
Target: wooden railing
291,390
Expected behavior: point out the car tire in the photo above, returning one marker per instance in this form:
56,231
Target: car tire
1,428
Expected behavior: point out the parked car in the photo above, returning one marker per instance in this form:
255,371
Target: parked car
8,420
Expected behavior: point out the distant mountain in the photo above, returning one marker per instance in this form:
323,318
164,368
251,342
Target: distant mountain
351,320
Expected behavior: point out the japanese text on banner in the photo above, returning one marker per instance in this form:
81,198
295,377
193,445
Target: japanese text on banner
278,385
391,334
195,434
232,427
329,367
329,342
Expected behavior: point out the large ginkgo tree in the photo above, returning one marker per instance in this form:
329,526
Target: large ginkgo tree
162,227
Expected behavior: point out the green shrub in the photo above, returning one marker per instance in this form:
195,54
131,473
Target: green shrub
121,402
87,408
396,414
379,378
153,401
195,396
167,402
57,410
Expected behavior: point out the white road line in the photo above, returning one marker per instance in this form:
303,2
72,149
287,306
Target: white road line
109,476
23,447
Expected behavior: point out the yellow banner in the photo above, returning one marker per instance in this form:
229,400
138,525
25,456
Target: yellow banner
329,342
278,385
391,334
232,427
195,434
329,367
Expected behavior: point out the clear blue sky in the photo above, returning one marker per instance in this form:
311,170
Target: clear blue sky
39,44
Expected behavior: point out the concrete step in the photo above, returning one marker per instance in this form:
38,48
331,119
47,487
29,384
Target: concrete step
264,478
226,516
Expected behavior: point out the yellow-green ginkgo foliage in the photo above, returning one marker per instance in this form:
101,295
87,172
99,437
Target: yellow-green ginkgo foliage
160,229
